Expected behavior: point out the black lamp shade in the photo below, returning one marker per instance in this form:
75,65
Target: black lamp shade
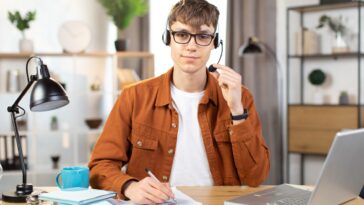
47,94
252,47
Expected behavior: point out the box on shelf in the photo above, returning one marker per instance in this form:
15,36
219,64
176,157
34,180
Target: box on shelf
311,43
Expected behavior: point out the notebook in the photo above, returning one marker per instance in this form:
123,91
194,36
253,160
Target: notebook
340,180
81,196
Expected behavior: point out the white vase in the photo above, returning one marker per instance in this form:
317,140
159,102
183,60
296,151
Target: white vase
26,45
339,44
318,98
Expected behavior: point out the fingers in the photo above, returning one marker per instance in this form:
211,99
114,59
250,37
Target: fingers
148,191
160,190
227,77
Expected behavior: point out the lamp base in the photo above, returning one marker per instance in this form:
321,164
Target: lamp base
18,196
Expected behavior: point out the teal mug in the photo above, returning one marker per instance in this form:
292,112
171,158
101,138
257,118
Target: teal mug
73,178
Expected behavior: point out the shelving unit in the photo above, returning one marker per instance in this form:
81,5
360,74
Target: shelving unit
73,139
312,127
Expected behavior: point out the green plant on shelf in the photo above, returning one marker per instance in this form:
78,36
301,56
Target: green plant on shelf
21,23
317,77
123,12
335,24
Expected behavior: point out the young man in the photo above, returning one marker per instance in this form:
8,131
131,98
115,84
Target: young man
188,126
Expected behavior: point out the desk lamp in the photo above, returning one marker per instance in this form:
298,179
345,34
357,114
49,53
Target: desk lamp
47,94
253,47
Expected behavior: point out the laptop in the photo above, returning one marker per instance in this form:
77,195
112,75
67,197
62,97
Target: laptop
340,180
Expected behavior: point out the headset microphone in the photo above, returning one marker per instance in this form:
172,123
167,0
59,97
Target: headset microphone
211,67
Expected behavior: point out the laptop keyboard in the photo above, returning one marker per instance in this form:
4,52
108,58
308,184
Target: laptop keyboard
298,199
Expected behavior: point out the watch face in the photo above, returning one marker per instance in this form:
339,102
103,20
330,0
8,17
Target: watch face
74,36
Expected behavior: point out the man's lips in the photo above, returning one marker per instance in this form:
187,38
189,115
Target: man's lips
189,57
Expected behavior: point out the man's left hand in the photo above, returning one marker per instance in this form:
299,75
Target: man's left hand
230,84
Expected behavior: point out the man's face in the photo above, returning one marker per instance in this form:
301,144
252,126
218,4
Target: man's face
190,57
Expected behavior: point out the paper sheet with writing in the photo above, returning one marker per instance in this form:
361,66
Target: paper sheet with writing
181,198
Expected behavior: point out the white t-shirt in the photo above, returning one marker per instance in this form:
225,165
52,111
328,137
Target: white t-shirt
190,165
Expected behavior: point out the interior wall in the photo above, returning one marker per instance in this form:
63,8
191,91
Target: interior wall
50,15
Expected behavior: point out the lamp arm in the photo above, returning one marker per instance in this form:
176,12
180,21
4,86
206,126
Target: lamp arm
280,110
14,109
273,55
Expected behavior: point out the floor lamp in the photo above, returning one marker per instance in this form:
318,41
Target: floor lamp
47,94
254,46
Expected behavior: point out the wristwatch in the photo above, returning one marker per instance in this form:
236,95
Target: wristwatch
240,117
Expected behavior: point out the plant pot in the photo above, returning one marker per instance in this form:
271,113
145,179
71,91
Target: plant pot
26,45
344,99
121,45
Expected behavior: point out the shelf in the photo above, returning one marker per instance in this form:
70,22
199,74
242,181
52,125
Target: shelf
100,54
329,55
325,7
320,105
9,133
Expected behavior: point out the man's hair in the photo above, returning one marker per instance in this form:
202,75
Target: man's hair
194,13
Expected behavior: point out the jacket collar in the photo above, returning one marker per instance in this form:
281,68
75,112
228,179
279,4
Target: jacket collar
164,91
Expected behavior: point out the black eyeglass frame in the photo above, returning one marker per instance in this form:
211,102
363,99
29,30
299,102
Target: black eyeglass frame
173,33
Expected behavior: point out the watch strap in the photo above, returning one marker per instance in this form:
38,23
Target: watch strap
240,117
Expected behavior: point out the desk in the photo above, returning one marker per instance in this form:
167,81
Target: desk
215,195
218,194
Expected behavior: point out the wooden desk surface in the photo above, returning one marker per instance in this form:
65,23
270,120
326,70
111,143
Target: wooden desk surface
215,195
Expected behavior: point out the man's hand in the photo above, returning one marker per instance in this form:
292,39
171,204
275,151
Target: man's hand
230,83
148,191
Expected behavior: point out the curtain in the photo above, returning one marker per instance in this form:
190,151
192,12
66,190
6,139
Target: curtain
259,72
137,35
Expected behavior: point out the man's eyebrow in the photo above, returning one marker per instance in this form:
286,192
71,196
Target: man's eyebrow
187,31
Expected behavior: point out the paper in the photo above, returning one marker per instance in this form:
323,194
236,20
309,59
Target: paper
181,198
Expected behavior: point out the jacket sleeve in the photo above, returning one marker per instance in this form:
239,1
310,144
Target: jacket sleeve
111,150
251,155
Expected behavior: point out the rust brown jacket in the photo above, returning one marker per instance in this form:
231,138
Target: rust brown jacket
141,131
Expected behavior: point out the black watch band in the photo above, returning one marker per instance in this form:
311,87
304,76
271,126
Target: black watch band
240,117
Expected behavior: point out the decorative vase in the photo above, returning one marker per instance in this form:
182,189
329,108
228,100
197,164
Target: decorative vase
339,44
26,45
121,45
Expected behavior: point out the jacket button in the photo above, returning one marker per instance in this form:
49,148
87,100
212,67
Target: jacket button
170,151
139,143
174,125
165,178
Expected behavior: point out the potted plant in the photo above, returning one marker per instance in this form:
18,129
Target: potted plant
344,98
317,77
339,29
122,13
22,23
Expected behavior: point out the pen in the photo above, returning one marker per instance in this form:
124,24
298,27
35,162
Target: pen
150,173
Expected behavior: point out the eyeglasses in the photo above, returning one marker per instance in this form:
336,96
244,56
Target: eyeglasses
183,37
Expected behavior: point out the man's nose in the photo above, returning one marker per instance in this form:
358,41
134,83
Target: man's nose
192,43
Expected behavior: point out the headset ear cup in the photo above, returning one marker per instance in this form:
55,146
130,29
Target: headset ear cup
166,37
216,40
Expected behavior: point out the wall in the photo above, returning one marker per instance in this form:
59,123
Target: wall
50,16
